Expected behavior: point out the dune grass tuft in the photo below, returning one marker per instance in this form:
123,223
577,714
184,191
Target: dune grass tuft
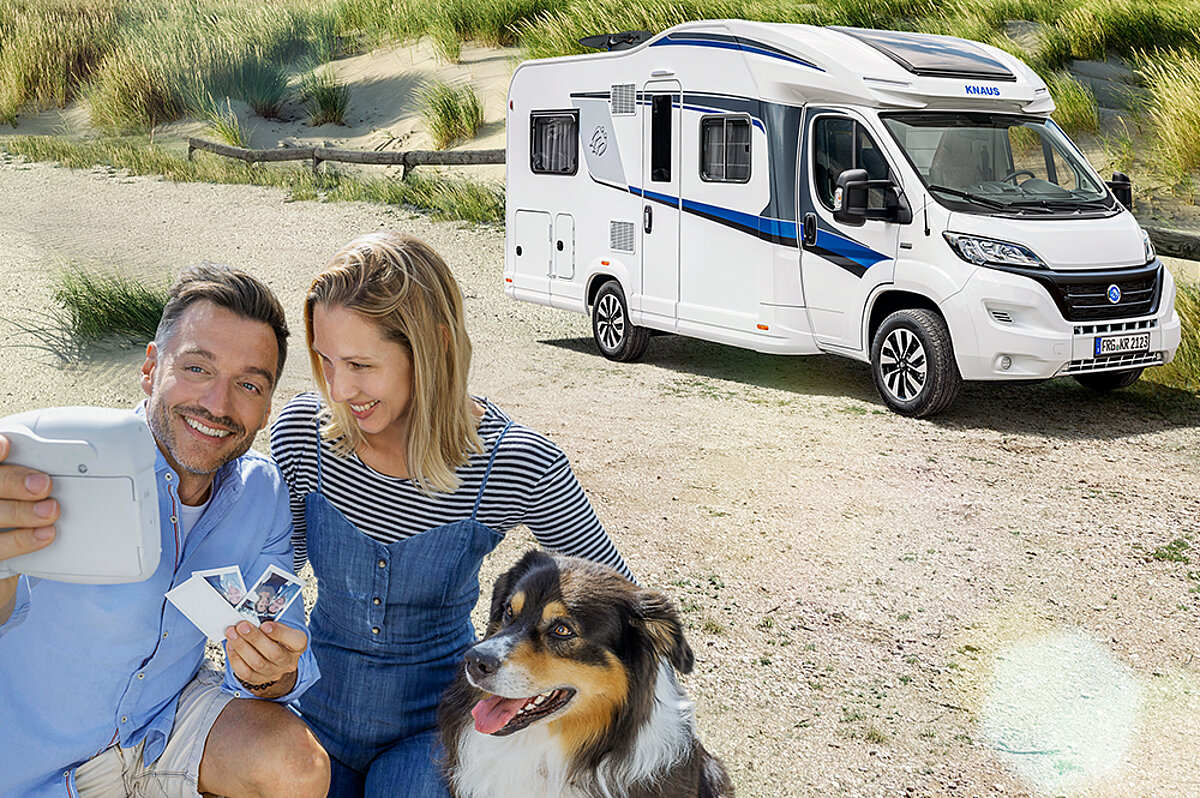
324,97
105,307
452,112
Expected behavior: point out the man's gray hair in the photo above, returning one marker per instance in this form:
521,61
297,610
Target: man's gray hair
229,288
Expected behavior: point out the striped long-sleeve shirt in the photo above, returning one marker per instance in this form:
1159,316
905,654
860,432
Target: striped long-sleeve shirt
531,483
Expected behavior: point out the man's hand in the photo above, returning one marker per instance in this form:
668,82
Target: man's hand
265,654
27,514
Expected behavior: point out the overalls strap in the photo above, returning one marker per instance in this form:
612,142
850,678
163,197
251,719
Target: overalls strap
319,456
488,471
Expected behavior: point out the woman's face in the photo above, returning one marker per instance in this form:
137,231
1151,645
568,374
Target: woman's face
370,374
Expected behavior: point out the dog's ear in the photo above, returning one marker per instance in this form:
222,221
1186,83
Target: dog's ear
508,580
660,623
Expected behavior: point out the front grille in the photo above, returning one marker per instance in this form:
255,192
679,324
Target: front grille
1083,295
1113,363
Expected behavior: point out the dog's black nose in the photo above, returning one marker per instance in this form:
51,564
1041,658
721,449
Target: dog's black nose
481,663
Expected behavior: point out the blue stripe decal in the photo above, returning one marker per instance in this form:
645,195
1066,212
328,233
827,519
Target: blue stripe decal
848,248
742,45
780,231
703,110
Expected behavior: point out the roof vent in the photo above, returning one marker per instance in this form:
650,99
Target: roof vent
616,41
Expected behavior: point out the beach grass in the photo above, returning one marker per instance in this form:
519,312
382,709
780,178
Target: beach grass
108,306
452,112
1173,79
324,97
1075,108
1184,371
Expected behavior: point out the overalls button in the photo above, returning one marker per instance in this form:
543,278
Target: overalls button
383,563
374,630
376,601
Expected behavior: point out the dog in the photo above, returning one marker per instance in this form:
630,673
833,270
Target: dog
572,693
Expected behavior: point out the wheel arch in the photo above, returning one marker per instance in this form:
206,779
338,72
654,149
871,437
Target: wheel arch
888,302
593,286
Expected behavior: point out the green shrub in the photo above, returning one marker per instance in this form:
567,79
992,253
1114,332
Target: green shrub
451,112
1184,371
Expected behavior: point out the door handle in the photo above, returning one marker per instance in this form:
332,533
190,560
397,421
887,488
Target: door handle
810,229
647,218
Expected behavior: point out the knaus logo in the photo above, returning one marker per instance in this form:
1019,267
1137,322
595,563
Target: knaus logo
990,91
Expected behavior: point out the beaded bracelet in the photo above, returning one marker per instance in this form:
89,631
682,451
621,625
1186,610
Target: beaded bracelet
255,687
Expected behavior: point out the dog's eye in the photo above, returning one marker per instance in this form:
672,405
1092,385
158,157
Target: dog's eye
561,630
508,612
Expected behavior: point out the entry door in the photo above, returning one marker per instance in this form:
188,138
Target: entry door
661,109
842,263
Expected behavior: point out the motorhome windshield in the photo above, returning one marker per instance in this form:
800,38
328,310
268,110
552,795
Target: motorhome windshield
993,163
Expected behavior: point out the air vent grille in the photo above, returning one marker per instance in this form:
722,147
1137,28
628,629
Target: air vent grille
620,236
622,102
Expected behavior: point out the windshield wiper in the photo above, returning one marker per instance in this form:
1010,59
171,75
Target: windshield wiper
967,195
1062,204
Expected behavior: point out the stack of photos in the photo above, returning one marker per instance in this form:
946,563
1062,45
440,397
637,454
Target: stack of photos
217,598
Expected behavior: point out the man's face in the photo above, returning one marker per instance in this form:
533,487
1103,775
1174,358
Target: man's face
210,386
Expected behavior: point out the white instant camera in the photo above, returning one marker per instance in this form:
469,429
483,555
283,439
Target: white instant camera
101,461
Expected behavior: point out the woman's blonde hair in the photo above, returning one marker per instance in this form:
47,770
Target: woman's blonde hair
402,286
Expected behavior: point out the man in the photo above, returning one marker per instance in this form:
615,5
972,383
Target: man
101,686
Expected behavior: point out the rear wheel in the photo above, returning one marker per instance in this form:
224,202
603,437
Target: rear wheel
912,361
1108,380
615,336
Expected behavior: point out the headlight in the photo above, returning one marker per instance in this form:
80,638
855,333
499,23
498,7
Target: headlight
1147,246
984,251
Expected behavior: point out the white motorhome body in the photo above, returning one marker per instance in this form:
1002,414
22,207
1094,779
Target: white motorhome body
706,181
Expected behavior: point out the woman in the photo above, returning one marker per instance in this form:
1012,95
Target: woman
401,482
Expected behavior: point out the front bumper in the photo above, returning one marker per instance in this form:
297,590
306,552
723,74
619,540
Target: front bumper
1003,317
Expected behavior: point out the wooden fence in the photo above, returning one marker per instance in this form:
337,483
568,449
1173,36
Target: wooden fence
318,155
1172,243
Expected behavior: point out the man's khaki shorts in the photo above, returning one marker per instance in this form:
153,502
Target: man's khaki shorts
118,772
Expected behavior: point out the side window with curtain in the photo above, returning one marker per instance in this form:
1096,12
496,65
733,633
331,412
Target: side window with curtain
554,142
725,149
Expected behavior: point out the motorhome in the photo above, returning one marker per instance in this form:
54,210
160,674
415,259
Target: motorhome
902,199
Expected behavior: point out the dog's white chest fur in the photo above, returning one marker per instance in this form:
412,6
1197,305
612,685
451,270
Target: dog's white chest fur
531,763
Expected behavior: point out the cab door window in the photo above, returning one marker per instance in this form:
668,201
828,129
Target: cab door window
840,144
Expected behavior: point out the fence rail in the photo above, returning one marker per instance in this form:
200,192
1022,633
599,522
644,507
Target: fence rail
408,159
1172,243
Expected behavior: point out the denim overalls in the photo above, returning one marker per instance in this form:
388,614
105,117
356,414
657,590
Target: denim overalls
388,630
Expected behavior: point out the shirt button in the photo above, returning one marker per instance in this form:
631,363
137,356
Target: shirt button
383,563
376,601
141,676
165,635
168,477
124,718
374,630
173,519
237,695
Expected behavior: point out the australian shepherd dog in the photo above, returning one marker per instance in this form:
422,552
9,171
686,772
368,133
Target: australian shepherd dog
572,693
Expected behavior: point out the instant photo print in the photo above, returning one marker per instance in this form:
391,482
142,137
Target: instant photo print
271,595
102,463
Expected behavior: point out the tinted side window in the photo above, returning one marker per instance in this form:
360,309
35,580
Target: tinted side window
554,142
725,149
660,138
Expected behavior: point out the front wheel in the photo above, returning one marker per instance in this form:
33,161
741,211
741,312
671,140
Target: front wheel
617,338
912,361
1108,380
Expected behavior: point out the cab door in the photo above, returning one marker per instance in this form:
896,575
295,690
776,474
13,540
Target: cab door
841,263
661,109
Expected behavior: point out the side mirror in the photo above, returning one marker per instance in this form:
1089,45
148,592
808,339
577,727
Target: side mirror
1122,188
851,200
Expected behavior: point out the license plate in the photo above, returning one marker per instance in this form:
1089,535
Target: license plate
1121,344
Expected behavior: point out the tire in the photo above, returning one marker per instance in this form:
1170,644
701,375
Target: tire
615,336
912,361
1108,380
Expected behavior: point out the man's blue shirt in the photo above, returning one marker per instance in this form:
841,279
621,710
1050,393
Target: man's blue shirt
86,666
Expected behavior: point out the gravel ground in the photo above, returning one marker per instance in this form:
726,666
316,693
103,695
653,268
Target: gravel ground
993,602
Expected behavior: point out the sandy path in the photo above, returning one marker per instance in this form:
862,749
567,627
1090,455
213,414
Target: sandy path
879,606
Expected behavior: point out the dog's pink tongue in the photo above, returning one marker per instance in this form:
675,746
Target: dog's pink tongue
491,714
